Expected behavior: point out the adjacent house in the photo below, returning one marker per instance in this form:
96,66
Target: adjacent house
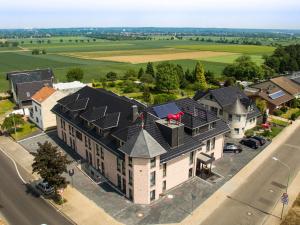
275,96
135,147
288,85
24,84
42,103
233,106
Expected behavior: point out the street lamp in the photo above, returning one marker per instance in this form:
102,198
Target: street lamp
289,169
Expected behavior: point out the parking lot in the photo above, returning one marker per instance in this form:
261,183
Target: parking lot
172,208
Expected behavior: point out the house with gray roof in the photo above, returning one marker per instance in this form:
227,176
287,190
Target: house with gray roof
233,106
136,147
24,84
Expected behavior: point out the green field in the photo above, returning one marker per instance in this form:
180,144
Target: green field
59,55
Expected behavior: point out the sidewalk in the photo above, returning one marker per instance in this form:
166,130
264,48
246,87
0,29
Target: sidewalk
79,208
293,192
207,208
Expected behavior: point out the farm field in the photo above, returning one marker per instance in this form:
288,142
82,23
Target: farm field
153,57
92,56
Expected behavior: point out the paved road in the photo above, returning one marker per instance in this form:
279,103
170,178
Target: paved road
18,204
251,203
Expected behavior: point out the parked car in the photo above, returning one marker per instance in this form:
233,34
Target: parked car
261,140
250,142
45,188
230,147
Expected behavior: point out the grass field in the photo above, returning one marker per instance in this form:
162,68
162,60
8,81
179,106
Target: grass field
243,49
6,106
61,56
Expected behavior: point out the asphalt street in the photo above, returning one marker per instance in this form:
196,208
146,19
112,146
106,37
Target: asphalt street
255,199
19,204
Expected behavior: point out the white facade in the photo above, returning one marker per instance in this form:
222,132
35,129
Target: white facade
40,112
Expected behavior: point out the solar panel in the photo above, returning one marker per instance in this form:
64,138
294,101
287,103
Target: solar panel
277,94
162,111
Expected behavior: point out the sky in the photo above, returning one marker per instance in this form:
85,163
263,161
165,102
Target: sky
284,14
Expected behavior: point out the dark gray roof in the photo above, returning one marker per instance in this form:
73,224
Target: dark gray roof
142,145
236,108
118,118
31,81
110,120
94,113
25,91
79,104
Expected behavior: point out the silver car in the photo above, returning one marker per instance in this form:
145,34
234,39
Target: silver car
230,147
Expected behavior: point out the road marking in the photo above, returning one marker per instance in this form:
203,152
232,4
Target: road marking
8,156
293,146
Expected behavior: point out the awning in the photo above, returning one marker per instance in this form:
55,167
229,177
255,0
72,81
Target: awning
205,159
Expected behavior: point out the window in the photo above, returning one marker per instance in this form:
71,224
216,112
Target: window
238,118
164,185
35,108
152,178
130,161
230,117
70,131
123,167
119,181
28,94
214,110
97,150
236,130
85,141
213,143
153,162
130,194
191,158
89,141
101,153
130,177
152,195
221,112
164,169
79,135
98,164
207,145
212,125
119,164
190,172
37,120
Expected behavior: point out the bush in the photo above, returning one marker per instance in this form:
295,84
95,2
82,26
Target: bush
75,74
295,115
111,76
249,133
162,98
284,109
277,112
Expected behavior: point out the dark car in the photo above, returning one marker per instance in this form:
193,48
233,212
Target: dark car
230,147
261,140
250,142
45,188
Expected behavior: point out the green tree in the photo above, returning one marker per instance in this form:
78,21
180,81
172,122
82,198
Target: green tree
150,69
50,164
166,77
244,69
230,81
11,122
147,78
75,74
162,98
130,74
112,76
189,76
35,52
141,72
200,77
261,105
147,95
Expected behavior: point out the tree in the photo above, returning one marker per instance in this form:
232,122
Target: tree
50,164
147,95
189,76
147,78
150,69
261,105
230,81
162,98
200,77
141,72
35,52
112,76
75,74
166,77
44,51
244,68
12,121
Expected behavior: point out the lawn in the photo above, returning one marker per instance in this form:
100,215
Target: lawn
6,106
24,131
243,49
231,58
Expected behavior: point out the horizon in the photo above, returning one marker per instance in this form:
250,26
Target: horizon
132,13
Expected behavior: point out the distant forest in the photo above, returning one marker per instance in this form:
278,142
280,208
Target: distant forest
144,33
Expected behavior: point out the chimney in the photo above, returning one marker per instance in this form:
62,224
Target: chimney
134,113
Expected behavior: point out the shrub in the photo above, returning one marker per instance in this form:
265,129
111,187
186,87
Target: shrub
162,98
249,133
277,112
295,115
111,76
284,109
